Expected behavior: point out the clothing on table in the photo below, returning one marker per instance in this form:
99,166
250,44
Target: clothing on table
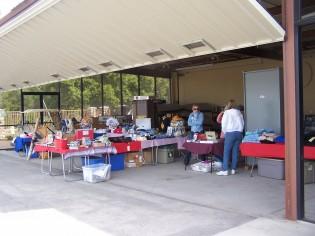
232,121
195,121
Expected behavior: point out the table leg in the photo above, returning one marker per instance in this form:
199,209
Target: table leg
156,154
211,164
50,162
152,155
42,164
63,166
253,164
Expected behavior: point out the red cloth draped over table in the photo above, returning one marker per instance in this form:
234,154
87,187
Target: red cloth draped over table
133,146
76,152
205,148
272,150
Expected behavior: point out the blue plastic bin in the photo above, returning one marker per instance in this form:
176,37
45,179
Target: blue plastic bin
92,160
117,161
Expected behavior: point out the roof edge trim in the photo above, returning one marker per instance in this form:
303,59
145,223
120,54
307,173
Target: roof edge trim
26,15
268,17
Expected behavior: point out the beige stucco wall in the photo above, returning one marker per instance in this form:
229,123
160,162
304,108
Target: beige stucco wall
218,83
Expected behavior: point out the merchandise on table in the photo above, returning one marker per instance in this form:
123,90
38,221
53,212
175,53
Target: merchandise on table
61,143
80,133
177,127
254,136
74,145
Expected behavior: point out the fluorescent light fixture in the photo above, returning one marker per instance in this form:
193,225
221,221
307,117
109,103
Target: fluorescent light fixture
158,53
198,45
109,64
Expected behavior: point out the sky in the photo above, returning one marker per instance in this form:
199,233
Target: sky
7,5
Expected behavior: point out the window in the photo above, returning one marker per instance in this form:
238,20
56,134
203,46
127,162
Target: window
70,94
10,104
130,89
92,96
163,89
147,86
112,98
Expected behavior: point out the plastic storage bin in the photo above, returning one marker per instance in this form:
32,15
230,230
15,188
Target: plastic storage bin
166,154
271,168
117,162
92,160
96,173
309,172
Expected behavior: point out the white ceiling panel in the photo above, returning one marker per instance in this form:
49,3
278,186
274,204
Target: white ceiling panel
61,36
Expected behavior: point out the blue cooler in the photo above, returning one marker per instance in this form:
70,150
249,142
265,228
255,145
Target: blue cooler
117,161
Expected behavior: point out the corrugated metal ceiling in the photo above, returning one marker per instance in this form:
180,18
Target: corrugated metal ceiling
67,35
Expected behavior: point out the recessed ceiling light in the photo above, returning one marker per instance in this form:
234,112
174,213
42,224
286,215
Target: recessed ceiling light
87,69
158,53
198,44
109,64
55,76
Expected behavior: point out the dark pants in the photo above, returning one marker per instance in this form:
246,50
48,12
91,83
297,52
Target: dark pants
232,143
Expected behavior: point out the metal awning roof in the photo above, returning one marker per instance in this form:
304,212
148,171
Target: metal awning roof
64,39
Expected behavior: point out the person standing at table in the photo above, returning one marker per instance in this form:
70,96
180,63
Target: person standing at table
232,127
220,116
195,121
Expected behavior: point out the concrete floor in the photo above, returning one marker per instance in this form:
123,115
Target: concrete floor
151,200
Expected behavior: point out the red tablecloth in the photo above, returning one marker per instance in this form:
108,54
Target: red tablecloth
205,148
133,146
272,150
82,151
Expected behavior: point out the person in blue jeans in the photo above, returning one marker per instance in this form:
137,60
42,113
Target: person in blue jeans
232,126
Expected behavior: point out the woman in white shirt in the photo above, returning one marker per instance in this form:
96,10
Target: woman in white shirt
232,126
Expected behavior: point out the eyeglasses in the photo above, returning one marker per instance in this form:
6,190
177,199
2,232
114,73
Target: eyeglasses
195,109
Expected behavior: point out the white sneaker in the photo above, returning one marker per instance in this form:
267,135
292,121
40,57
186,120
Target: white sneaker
222,173
233,172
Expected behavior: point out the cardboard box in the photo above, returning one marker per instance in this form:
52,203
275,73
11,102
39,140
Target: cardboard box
133,159
148,157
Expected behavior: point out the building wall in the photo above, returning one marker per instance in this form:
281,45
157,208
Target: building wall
218,83
309,83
